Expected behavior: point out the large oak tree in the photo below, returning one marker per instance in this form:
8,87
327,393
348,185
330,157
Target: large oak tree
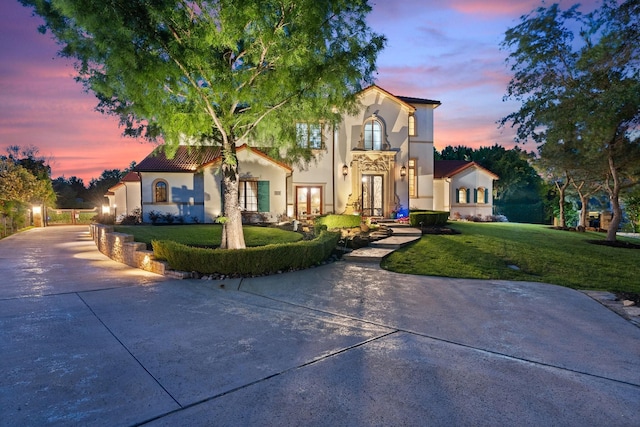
218,71
578,79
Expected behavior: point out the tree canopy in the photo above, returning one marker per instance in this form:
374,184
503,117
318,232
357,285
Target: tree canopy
24,180
578,79
217,71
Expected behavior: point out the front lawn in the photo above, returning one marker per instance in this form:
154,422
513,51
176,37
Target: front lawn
541,254
206,234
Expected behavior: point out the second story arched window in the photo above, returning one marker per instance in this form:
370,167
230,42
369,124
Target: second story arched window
372,135
412,125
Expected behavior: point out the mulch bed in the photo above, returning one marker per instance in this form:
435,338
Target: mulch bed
616,244
439,230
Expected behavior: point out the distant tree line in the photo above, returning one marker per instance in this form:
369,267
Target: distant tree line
73,193
25,181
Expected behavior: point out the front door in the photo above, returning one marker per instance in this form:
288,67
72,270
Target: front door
308,202
372,195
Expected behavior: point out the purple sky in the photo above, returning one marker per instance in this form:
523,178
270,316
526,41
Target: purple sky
444,50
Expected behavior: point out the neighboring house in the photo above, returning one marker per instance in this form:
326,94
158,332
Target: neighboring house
463,188
124,197
378,163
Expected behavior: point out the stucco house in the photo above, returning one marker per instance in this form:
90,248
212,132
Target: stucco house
124,197
378,163
463,188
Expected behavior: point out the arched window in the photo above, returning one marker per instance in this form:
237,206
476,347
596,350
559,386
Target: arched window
160,192
481,195
372,135
412,125
462,195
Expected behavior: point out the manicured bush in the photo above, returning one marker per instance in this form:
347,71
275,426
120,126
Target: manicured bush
428,218
250,261
333,222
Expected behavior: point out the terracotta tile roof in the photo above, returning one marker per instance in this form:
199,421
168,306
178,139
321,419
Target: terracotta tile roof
131,177
449,168
185,159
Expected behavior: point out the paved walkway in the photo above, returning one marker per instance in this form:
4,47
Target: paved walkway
87,341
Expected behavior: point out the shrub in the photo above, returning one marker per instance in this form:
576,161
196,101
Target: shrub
105,219
428,218
250,261
168,217
154,216
334,222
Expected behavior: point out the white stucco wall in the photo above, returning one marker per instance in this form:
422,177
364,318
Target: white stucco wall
253,166
184,195
471,178
126,198
347,141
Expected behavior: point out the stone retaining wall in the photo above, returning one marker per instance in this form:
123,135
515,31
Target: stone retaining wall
121,247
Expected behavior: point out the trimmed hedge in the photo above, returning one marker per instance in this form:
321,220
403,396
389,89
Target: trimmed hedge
333,222
428,218
250,261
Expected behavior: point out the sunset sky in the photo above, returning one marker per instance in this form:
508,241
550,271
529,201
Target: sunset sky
443,50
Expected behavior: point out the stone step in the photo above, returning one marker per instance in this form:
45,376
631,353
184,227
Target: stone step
368,254
394,242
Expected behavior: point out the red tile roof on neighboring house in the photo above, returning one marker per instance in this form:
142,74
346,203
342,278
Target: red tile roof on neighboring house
131,177
185,159
449,168
191,158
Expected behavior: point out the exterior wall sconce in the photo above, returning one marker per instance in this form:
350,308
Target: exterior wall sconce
345,171
106,209
403,172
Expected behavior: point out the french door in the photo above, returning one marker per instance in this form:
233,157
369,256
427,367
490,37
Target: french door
372,195
308,202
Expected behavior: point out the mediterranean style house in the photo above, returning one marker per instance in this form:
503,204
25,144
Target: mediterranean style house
378,163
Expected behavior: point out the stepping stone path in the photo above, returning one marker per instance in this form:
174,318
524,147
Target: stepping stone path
401,235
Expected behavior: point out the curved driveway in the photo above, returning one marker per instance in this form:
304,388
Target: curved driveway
87,341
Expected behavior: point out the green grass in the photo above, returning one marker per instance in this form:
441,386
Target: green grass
206,234
485,251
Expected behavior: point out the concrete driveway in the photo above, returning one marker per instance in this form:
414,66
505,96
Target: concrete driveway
87,341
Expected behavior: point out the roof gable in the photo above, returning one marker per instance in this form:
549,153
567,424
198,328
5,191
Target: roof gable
257,152
449,168
375,88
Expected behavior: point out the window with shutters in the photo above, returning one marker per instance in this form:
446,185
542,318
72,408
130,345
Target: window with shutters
462,195
253,196
248,196
481,195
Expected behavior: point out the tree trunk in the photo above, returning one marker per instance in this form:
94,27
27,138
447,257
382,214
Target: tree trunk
583,222
232,234
614,198
563,216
